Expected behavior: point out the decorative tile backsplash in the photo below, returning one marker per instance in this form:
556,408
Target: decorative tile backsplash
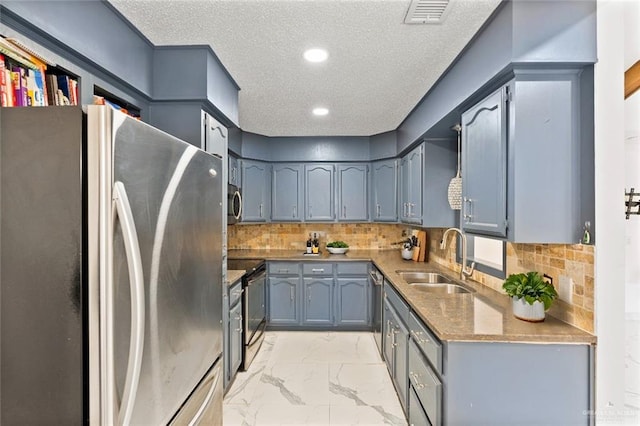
293,236
572,264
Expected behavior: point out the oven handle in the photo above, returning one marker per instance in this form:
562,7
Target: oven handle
375,278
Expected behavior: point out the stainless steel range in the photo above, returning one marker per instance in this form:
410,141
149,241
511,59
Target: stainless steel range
254,315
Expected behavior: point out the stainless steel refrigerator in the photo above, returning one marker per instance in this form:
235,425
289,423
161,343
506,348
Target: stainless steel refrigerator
111,276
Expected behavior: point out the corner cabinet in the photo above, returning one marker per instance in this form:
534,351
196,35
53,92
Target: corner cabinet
384,188
484,166
319,187
527,159
425,173
256,179
353,185
286,193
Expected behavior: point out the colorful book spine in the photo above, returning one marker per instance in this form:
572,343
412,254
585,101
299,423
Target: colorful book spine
4,100
63,86
19,80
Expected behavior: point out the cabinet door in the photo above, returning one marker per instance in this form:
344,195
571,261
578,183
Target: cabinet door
384,206
400,361
234,171
352,192
283,300
319,192
318,294
404,189
415,160
235,338
353,301
286,192
256,179
388,326
484,160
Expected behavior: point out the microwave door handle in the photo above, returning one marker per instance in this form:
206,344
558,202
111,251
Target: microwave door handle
237,194
122,208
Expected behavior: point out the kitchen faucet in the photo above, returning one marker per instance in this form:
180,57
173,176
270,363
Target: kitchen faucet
465,271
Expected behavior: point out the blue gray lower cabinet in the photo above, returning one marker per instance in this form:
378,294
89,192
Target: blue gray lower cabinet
232,314
479,382
319,295
284,304
352,301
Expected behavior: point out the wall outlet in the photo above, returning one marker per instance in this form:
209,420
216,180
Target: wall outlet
565,289
320,234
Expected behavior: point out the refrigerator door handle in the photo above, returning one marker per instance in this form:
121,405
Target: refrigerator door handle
196,418
132,249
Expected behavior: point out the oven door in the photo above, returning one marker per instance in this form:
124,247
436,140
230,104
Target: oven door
234,204
254,315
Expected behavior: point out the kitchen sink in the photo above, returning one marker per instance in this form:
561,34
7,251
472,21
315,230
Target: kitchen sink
442,288
423,277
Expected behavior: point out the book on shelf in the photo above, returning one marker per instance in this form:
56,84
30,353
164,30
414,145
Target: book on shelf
29,79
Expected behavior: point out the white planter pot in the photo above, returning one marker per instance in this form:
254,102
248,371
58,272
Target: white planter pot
407,254
524,311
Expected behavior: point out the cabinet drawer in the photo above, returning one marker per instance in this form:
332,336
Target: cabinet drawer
235,291
317,268
283,268
424,339
425,383
352,268
397,302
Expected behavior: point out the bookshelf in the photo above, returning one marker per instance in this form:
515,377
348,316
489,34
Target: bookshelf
29,79
104,97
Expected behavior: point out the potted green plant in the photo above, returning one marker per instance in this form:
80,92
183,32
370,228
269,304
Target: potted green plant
530,295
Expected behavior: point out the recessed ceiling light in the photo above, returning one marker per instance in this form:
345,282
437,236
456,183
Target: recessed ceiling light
316,55
320,111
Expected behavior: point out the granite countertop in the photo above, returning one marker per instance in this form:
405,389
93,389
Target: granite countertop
233,275
484,315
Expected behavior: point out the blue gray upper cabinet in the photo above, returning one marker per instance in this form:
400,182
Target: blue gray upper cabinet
425,173
256,177
528,159
384,183
318,298
319,192
353,183
286,193
484,160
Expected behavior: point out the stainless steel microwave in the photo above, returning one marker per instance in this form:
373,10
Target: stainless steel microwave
234,204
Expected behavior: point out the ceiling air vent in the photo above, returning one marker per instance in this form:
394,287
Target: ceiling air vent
426,11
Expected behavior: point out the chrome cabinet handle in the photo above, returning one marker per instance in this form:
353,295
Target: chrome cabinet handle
237,292
310,211
260,209
295,211
416,335
318,270
416,383
378,209
283,271
309,297
122,209
468,204
344,211
291,293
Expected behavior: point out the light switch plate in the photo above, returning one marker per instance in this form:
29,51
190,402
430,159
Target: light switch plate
565,289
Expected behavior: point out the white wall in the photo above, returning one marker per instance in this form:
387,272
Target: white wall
609,184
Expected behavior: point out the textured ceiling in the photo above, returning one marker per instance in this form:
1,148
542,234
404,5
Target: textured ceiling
378,68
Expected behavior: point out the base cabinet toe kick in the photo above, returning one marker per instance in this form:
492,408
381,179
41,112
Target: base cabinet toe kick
482,382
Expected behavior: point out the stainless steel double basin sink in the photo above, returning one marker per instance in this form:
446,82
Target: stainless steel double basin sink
432,282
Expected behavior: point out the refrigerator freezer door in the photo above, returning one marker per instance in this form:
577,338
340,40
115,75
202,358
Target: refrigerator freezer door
205,405
175,194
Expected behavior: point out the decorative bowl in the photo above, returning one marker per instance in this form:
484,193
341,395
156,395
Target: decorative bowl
337,250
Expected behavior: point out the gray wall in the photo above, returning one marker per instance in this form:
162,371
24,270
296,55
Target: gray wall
296,149
383,145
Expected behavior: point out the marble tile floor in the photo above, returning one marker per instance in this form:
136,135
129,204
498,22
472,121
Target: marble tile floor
314,378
